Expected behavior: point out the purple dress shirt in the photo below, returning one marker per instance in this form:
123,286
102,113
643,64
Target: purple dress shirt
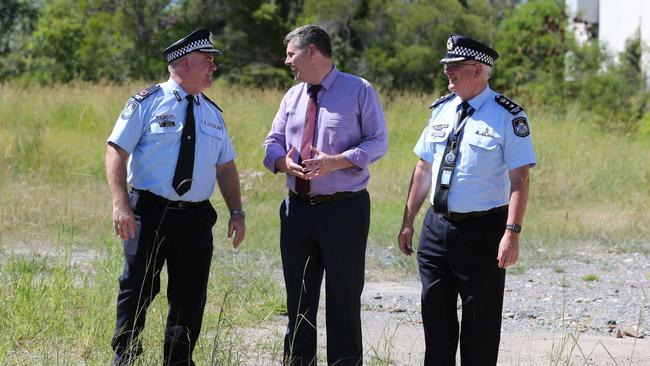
349,121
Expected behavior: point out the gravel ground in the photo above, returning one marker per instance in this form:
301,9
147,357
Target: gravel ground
585,293
555,313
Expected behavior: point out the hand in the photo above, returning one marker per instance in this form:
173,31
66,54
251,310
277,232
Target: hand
124,221
321,164
237,226
405,239
290,166
508,249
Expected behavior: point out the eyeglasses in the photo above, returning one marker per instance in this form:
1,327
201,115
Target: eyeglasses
456,65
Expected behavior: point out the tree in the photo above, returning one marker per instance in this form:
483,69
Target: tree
17,20
533,42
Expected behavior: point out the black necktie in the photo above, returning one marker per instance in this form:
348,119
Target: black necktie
448,161
185,163
302,185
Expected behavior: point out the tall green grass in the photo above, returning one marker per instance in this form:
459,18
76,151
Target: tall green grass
589,191
589,187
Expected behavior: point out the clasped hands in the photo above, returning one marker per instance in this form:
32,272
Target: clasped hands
321,164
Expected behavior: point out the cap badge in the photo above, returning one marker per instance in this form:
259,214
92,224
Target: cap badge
210,38
450,44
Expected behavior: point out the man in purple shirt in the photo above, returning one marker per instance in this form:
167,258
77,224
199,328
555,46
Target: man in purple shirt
324,220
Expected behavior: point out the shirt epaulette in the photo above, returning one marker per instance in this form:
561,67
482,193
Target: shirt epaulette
441,100
213,103
146,92
508,104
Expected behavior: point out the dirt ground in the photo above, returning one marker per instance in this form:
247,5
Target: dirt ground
393,336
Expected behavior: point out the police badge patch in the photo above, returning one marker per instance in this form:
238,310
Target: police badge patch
129,109
520,127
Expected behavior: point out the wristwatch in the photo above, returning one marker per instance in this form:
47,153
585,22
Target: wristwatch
514,228
235,211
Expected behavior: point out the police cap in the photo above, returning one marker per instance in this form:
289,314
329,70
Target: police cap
460,48
199,40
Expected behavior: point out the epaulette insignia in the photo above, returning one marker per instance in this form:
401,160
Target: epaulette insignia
508,104
146,92
213,103
441,100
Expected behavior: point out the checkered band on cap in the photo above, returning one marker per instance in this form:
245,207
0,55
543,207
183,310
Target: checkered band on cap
474,54
193,46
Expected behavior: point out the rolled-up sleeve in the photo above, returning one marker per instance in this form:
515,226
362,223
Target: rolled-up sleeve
374,133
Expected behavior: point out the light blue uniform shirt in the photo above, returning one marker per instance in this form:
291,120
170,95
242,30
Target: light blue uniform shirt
489,148
150,131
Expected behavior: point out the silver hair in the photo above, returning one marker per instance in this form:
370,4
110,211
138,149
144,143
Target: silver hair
487,69
172,65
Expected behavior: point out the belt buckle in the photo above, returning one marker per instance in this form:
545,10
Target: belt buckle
181,204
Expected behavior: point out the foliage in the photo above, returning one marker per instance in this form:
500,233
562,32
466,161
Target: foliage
532,43
395,44
17,18
615,91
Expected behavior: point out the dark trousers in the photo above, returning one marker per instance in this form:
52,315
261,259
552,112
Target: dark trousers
459,258
328,237
183,239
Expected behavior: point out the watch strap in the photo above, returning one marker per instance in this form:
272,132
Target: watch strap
514,228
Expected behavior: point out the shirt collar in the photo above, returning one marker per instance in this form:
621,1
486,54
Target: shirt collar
478,100
178,90
327,81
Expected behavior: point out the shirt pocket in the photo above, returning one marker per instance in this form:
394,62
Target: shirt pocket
213,135
162,134
438,141
214,130
482,142
483,154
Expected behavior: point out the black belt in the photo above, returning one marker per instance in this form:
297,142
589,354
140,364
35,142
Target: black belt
167,203
318,199
460,216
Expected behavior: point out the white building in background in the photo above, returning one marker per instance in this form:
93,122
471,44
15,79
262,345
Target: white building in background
612,22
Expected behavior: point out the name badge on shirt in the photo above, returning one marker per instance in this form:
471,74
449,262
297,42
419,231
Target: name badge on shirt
165,120
212,124
435,133
440,126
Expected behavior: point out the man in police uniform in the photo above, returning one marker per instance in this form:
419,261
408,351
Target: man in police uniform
176,145
476,151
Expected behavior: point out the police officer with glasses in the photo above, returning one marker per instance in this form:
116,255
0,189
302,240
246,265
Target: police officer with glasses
475,153
167,149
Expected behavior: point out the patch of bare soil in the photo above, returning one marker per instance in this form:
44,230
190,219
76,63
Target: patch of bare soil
558,314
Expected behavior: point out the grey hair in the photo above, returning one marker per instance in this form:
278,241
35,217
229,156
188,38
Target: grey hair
310,34
487,69
172,65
